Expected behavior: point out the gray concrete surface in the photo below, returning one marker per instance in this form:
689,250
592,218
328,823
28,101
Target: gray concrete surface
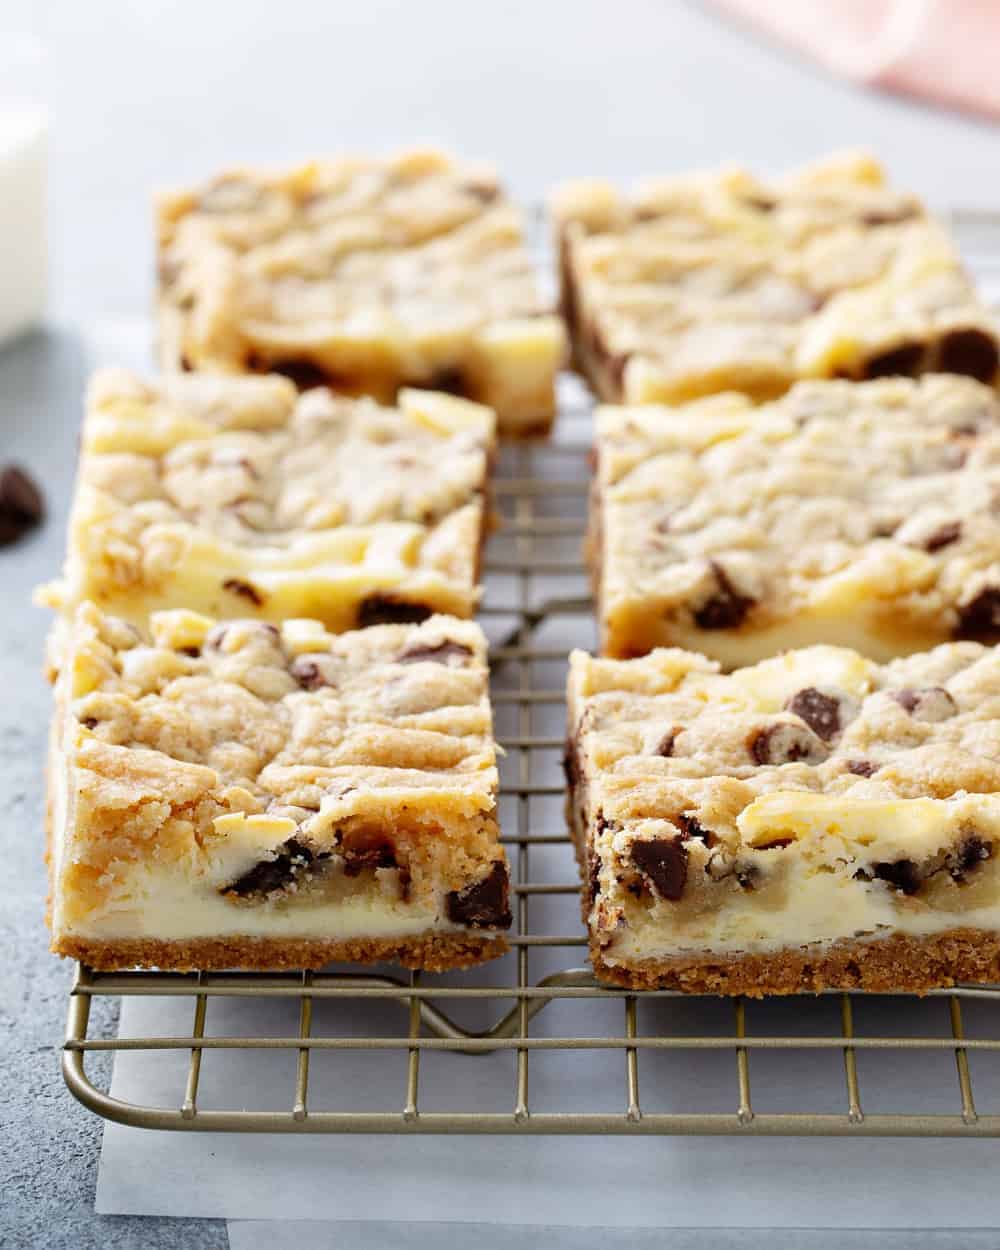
49,1145
149,94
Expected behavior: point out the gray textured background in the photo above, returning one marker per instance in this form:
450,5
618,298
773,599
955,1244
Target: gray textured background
153,93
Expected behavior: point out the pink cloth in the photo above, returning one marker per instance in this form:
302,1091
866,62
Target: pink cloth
945,50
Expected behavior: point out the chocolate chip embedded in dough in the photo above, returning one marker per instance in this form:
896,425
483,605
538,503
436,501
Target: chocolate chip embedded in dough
236,586
726,608
665,746
271,875
968,855
664,862
927,703
971,352
786,743
979,619
901,873
821,712
363,849
308,673
383,610
946,534
693,828
594,878
862,768
21,504
904,360
450,379
437,653
485,904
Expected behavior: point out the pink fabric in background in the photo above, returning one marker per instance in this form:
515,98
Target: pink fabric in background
945,50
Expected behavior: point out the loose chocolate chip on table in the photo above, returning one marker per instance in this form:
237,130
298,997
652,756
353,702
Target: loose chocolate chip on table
943,536
928,703
862,768
307,673
900,361
484,904
437,653
236,586
273,874
664,862
382,610
971,352
979,619
727,608
21,504
970,853
784,743
902,873
821,712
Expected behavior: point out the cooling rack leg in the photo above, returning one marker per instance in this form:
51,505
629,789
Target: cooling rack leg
299,1111
634,1112
854,1113
962,1062
411,1107
190,1103
745,1112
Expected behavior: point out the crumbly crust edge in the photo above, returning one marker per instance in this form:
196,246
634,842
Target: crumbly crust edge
428,952
883,965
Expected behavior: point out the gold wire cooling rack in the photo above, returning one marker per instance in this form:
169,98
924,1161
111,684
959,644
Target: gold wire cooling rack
536,603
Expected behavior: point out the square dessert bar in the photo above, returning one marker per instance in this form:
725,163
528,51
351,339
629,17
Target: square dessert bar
816,821
719,281
235,795
365,275
241,497
861,514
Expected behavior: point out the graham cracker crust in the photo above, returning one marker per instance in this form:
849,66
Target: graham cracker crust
885,965
429,952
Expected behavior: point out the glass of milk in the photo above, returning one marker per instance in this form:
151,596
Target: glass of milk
23,143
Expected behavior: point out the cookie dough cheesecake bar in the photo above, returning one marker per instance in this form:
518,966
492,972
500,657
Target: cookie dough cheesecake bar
861,514
237,795
721,281
815,821
241,497
366,275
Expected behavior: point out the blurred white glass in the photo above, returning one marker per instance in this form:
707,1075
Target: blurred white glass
23,145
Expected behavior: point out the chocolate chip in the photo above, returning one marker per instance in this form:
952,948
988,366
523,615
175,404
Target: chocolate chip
821,712
437,653
571,763
888,216
237,587
943,536
383,610
21,504
451,380
89,722
485,904
971,352
484,192
727,608
363,849
307,673
786,743
665,746
746,874
693,828
972,851
862,768
271,875
305,375
664,862
928,703
979,619
761,202
594,877
901,361
901,873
